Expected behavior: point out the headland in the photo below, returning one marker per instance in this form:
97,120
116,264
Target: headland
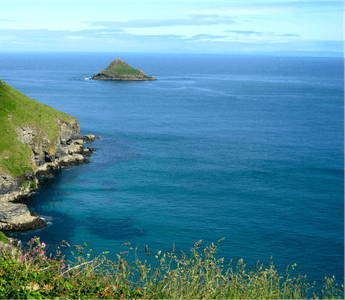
34,139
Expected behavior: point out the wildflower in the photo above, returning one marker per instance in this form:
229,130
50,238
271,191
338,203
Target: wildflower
63,266
42,252
33,286
48,287
43,245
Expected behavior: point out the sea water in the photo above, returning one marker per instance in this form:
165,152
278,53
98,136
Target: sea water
246,148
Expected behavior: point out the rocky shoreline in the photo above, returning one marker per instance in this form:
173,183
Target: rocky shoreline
67,150
122,77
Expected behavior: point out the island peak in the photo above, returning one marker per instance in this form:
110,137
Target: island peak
120,70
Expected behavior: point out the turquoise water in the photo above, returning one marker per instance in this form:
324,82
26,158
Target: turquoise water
246,148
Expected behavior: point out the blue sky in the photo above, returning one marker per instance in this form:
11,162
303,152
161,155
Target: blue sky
172,26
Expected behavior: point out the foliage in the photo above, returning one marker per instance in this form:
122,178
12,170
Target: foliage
123,70
3,238
16,109
120,67
200,275
33,185
24,185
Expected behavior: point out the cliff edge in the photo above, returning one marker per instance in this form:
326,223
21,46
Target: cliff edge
34,139
119,70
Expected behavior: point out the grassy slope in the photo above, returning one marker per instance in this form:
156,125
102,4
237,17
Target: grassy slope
16,109
120,67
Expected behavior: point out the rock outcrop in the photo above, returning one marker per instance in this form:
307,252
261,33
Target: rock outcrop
47,155
119,70
10,248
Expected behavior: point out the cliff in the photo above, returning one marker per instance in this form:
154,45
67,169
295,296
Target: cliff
34,138
119,70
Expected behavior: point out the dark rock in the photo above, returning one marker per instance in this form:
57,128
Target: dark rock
88,151
17,217
49,158
89,138
44,173
34,224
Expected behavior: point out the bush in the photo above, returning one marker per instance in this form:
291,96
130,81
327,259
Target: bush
33,185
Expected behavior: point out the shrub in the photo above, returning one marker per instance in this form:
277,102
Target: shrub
33,185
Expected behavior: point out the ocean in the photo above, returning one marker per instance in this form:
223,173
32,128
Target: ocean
246,148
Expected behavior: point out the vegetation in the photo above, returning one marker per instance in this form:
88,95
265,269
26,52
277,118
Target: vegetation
33,185
3,238
33,275
25,184
129,71
120,67
16,109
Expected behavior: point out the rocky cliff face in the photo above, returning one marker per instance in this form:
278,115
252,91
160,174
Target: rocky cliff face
44,150
46,155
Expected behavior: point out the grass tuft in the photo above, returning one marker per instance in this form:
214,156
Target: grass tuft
197,275
3,238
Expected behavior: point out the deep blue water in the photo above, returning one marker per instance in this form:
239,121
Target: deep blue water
242,147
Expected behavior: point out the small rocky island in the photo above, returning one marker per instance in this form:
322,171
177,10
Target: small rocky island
119,70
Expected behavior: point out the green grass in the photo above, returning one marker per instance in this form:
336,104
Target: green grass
33,185
123,70
16,109
3,238
197,275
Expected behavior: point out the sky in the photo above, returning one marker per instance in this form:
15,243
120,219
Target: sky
173,26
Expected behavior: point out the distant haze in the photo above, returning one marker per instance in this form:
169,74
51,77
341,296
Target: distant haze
312,28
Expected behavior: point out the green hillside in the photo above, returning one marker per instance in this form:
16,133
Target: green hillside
118,66
16,109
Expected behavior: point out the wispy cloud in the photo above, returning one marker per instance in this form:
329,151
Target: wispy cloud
258,33
45,35
245,32
13,21
191,20
206,37
288,35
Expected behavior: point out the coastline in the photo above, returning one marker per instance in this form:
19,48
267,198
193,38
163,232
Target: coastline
16,216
